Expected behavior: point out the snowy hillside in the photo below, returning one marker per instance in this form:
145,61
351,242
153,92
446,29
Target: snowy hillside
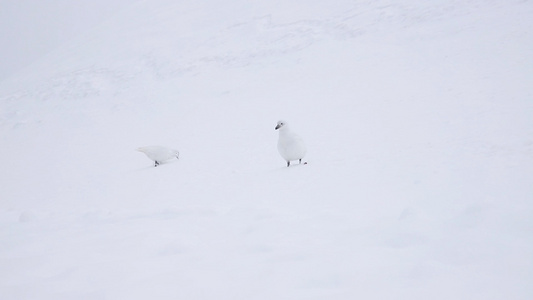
418,119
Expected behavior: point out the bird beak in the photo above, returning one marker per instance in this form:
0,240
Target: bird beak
277,127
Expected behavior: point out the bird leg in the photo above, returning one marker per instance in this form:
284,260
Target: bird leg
288,163
156,163
300,160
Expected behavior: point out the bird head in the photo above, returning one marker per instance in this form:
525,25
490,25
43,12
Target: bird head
280,124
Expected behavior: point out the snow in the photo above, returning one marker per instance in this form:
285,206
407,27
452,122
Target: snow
417,120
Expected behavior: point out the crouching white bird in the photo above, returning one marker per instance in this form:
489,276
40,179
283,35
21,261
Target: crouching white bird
159,154
290,145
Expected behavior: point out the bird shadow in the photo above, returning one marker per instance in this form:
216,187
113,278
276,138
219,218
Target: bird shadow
153,167
292,166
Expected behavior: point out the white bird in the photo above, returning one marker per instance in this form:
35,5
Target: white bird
159,154
290,145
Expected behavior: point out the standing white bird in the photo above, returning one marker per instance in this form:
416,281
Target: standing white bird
290,145
159,154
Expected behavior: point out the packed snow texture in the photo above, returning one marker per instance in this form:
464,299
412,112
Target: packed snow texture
418,120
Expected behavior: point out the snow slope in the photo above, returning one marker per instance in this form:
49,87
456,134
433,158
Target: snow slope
417,116
30,29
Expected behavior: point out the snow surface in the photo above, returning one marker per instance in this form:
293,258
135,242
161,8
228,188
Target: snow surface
419,126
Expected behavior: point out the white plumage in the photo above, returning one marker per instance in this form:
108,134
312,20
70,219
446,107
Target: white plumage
159,154
290,145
